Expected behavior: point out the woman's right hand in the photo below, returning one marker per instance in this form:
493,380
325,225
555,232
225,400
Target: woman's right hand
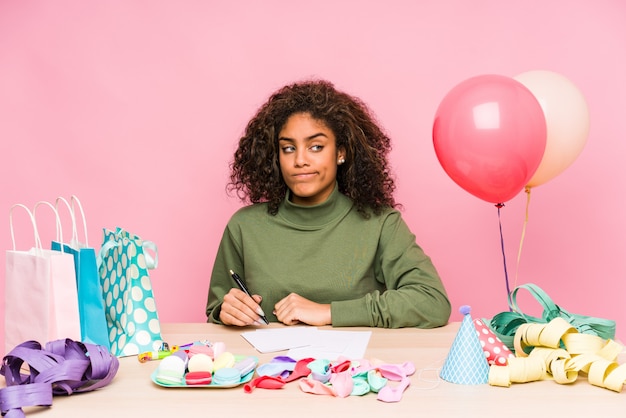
241,310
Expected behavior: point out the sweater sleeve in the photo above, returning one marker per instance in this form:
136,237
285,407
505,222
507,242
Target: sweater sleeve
414,295
228,257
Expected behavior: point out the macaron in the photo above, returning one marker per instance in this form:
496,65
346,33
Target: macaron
200,363
182,355
171,371
245,365
226,376
200,349
224,360
198,378
218,348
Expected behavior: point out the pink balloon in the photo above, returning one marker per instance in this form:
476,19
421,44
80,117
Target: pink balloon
489,135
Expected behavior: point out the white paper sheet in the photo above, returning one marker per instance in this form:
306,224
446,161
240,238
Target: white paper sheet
331,345
271,340
303,342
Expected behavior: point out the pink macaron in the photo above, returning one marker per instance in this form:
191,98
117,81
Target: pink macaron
198,378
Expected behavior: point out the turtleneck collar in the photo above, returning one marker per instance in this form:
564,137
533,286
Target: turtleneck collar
336,206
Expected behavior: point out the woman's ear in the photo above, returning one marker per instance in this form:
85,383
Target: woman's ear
341,156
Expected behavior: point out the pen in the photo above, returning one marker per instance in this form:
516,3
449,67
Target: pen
243,287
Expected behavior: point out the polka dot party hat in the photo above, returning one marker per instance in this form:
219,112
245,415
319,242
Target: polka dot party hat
466,363
494,350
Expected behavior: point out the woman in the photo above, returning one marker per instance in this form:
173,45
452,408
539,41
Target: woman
321,242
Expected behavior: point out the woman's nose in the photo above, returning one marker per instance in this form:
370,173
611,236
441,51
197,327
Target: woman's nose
300,159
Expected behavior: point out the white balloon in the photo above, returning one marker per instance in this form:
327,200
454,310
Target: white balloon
567,121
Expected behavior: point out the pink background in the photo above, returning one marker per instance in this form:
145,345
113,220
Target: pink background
136,107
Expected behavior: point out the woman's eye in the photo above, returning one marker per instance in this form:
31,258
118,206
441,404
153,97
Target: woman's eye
287,149
317,148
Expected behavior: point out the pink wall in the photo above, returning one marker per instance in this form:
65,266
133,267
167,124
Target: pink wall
136,107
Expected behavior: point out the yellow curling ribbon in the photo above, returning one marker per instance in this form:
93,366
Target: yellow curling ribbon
557,351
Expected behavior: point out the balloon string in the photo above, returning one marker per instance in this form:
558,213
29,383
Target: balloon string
506,275
521,243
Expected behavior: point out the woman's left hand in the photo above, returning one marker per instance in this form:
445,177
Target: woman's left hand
295,309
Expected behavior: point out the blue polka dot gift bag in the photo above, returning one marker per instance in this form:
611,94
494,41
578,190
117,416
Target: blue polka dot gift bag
132,318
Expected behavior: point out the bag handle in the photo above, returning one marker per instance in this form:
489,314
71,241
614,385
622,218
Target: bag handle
32,220
59,228
74,239
151,252
75,200
152,261
72,210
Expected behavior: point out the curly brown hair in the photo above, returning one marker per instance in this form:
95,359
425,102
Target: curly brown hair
365,177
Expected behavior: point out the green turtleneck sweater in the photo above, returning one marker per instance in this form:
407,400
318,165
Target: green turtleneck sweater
371,271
